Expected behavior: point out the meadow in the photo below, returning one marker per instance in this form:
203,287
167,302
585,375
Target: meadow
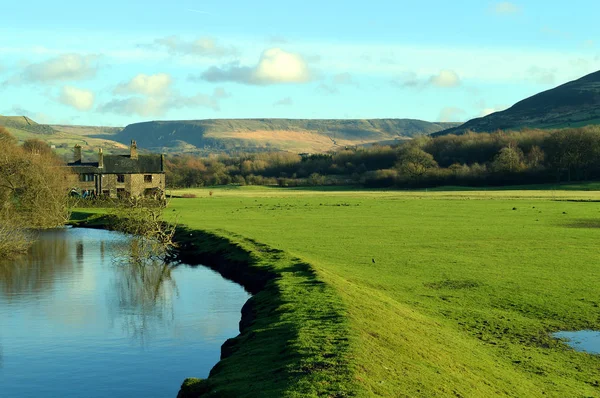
446,293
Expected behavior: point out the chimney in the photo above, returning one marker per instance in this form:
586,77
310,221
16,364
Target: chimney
77,154
100,158
134,152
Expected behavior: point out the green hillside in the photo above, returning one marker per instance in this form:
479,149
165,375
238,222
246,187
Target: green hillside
573,104
297,135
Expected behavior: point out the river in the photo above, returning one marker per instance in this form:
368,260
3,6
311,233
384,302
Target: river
74,322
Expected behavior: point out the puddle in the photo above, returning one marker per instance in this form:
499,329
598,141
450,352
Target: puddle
583,340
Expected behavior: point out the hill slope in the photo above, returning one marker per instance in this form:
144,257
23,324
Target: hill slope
573,104
24,123
64,138
300,135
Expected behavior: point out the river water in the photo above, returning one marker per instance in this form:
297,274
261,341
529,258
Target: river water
76,323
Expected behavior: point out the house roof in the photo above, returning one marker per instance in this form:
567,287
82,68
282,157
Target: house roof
122,164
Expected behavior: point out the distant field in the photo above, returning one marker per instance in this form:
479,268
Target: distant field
296,141
447,293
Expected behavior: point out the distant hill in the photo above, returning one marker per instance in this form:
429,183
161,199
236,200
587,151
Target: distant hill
25,124
87,130
299,135
64,138
224,135
573,104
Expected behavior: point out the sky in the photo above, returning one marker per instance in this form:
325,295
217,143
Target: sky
113,63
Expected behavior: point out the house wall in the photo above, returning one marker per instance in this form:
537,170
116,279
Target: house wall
134,184
75,182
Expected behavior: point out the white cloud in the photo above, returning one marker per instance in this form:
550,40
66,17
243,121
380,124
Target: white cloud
274,67
149,85
446,79
506,8
80,99
451,114
287,101
161,105
203,47
62,68
278,66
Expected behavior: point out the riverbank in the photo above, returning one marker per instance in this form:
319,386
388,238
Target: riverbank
294,335
442,293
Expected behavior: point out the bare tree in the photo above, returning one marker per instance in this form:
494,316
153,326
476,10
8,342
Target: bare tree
33,193
152,236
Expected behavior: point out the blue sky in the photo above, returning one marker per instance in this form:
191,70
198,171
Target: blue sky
120,62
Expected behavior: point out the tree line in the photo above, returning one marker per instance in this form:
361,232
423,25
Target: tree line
473,159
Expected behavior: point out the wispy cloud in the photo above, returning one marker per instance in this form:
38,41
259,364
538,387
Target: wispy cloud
443,79
65,67
202,47
506,8
287,101
159,105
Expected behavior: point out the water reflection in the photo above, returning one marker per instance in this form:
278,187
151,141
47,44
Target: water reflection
141,295
47,261
69,314
582,340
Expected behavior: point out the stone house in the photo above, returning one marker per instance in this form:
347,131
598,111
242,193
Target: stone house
119,175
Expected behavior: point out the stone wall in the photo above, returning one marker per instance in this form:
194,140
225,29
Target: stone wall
76,183
133,185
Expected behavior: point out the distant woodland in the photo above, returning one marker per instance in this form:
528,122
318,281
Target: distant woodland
471,159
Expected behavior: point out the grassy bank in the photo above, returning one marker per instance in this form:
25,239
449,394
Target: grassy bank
294,339
444,293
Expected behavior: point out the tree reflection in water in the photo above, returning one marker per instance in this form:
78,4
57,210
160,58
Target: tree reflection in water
47,260
141,293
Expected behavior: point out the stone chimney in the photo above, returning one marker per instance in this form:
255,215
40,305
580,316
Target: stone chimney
100,158
134,152
77,154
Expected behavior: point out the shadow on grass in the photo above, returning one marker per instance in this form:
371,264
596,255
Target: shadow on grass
293,333
584,223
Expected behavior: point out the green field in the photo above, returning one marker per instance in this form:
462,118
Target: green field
404,294
448,293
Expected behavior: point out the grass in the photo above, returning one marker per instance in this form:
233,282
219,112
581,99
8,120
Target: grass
446,293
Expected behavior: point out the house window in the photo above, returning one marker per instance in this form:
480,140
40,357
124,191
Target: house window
148,178
86,177
121,178
121,193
